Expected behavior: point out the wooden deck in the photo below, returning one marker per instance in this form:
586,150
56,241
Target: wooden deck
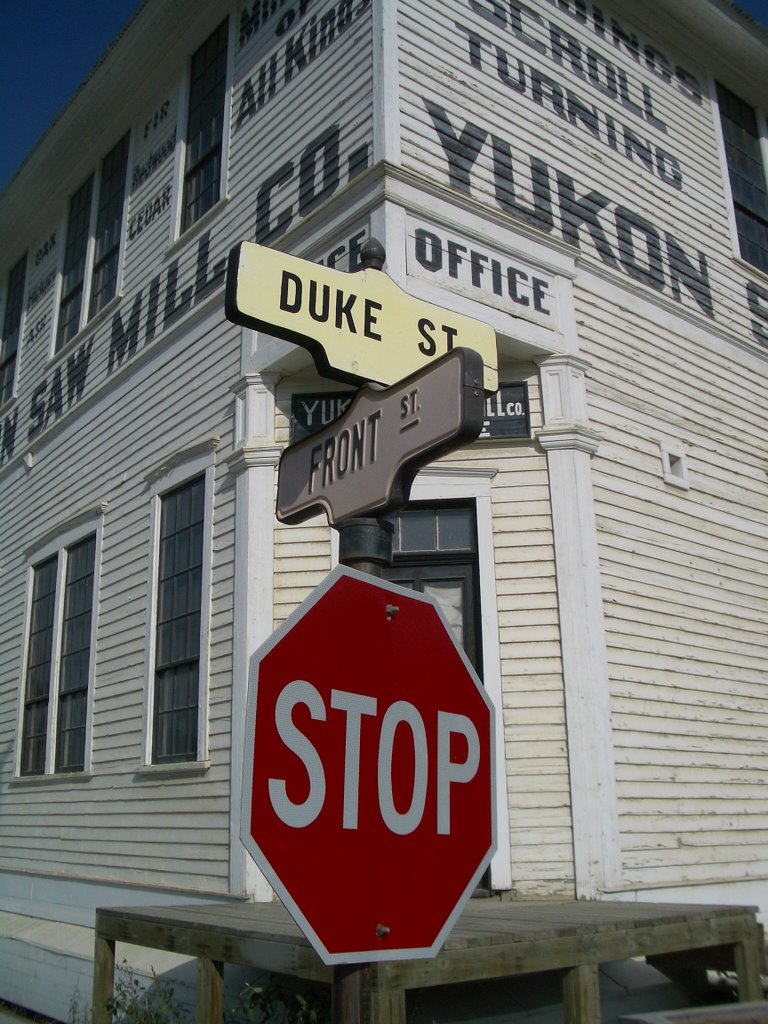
492,939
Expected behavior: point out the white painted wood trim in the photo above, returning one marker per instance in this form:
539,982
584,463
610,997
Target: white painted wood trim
255,463
386,83
594,810
724,172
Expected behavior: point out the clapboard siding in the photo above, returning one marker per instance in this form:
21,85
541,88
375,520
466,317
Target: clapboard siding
105,828
338,78
544,122
538,791
685,579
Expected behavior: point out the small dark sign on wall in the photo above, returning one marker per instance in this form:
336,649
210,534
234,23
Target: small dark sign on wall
311,412
507,413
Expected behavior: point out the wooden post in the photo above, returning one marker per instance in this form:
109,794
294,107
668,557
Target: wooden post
209,1007
103,978
748,960
358,998
581,995
351,1002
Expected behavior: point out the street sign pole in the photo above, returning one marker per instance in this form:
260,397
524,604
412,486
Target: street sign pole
364,544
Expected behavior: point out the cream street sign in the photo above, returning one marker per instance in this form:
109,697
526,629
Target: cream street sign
358,327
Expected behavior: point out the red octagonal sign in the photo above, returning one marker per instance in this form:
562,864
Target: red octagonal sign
368,797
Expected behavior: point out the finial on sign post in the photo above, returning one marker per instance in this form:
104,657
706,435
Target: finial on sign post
372,254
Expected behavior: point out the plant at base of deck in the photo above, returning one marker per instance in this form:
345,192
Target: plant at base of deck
132,1003
276,1003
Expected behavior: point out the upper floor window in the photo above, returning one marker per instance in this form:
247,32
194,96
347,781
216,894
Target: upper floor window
92,246
205,127
9,343
178,624
58,662
747,174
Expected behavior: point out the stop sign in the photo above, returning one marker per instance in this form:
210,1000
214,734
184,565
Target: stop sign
368,797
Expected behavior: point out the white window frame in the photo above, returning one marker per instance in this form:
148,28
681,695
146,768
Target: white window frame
175,472
58,543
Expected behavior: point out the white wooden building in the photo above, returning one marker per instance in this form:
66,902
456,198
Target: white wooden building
591,180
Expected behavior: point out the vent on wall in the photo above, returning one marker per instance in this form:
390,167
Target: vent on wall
674,466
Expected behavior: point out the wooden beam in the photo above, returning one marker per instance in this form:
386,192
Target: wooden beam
581,995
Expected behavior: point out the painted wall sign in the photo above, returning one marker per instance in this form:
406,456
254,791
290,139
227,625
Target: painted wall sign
358,327
641,199
482,273
366,461
155,160
507,413
297,38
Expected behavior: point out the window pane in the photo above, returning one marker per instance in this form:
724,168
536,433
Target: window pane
455,529
38,675
416,531
205,127
75,249
178,623
11,328
176,702
449,595
75,656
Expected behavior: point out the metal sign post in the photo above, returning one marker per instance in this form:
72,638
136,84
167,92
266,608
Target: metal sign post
362,327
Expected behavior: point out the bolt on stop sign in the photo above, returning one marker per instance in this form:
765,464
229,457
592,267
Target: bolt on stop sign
368,797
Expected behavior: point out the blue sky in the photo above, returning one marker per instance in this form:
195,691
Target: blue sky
47,48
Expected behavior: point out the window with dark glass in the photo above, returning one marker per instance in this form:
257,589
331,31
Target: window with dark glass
109,223
11,328
101,249
59,660
73,271
74,669
435,552
179,597
747,174
205,127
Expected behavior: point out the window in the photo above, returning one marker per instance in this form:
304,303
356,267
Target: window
205,127
747,174
435,552
101,251
9,344
58,663
109,224
178,622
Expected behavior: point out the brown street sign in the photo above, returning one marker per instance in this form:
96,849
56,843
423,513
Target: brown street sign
365,461
358,327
